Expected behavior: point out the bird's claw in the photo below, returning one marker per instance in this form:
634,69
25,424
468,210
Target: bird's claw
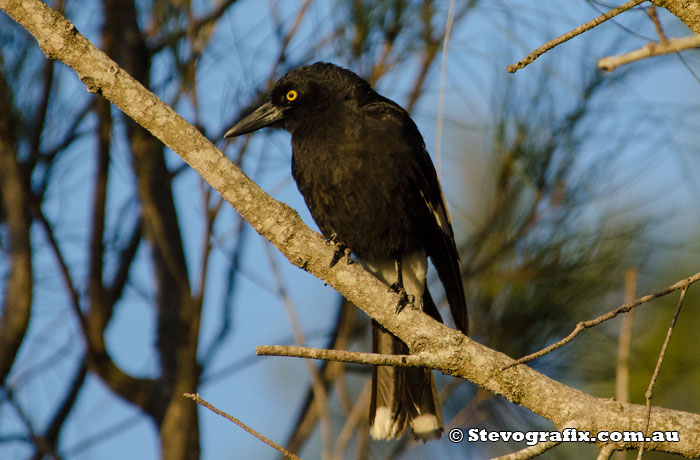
404,298
340,250
331,239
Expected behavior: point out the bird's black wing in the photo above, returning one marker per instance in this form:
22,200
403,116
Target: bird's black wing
440,243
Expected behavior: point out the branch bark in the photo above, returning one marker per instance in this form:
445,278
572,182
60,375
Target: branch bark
687,11
443,348
673,45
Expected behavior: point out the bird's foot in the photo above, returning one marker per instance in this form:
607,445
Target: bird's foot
332,239
404,298
340,250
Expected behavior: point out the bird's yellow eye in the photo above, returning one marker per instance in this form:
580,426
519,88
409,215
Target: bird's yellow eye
292,95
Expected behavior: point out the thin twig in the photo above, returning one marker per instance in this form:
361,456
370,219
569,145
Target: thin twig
673,45
196,398
193,28
606,452
107,433
651,12
650,390
571,34
343,356
316,379
282,54
351,423
529,452
443,77
211,213
37,440
622,373
63,266
682,284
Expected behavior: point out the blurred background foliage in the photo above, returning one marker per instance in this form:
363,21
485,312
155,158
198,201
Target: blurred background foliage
559,180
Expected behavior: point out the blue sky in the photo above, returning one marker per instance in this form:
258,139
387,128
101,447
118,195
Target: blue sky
265,392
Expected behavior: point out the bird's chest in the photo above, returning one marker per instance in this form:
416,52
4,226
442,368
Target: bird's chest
329,160
350,187
328,164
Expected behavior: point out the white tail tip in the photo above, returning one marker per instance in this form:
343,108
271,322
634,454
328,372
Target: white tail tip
384,426
424,424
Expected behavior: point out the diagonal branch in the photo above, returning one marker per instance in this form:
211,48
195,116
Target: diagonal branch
624,308
441,348
52,432
317,385
650,390
571,34
196,398
133,389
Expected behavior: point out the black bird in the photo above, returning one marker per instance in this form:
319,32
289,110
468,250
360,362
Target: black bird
361,164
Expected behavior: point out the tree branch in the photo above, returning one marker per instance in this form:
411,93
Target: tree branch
571,34
687,11
650,389
130,388
196,398
624,308
606,452
193,28
343,356
15,308
673,45
529,452
437,345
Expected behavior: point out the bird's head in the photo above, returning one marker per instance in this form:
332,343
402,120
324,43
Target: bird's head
301,94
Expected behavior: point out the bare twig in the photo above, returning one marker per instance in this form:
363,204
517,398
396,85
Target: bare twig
332,375
529,452
211,213
63,266
134,389
673,45
650,390
342,356
38,441
196,398
606,452
59,417
651,12
682,284
624,341
316,380
352,421
443,77
193,27
282,54
571,34
109,432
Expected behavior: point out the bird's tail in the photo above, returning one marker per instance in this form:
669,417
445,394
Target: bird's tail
401,395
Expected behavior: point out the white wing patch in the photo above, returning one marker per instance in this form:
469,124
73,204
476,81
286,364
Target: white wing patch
437,216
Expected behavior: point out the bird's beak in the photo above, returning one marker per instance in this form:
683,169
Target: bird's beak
265,115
